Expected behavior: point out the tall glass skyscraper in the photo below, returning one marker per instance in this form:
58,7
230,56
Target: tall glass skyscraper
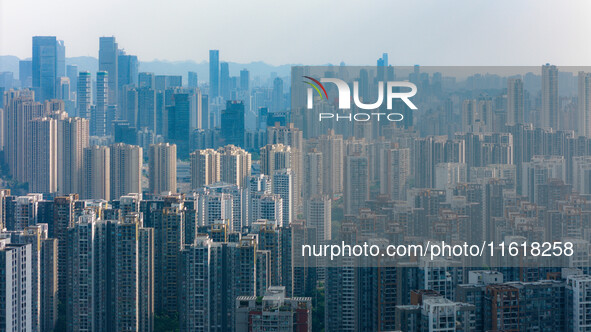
45,63
214,73
108,56
233,123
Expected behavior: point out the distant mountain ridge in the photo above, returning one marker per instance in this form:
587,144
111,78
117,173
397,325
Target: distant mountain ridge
164,67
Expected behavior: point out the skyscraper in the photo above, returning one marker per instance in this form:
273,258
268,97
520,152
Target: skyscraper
42,160
49,284
277,97
314,172
179,121
235,164
25,73
193,81
331,146
282,183
84,95
212,276
126,169
20,109
146,80
550,97
45,66
63,217
162,159
214,73
356,183
245,80
16,285
63,88
108,286
394,173
146,116
72,139
127,67
275,157
44,305
225,80
584,94
318,216
205,168
72,73
98,115
233,123
515,103
61,59
108,62
96,173
168,249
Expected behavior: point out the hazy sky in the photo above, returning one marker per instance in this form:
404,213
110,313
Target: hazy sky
311,32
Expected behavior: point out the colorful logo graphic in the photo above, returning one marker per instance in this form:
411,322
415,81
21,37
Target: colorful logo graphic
387,92
316,86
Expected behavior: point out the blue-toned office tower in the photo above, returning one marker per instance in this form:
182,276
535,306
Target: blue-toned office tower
45,66
214,73
233,123
108,62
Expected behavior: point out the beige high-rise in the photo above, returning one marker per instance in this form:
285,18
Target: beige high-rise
96,174
205,168
162,162
234,165
72,139
41,161
126,169
20,109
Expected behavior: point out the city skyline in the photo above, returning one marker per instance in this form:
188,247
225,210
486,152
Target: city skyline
225,195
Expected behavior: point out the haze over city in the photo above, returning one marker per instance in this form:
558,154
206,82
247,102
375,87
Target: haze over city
229,166
310,32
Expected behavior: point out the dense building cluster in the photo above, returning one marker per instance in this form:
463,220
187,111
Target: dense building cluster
133,202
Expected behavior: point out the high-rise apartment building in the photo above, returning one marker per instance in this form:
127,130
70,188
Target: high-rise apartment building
275,157
72,139
126,169
205,168
550,118
43,275
235,164
16,286
314,174
96,173
20,109
42,155
98,114
332,149
84,95
212,276
282,183
63,217
584,102
356,183
395,173
109,284
162,166
515,101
